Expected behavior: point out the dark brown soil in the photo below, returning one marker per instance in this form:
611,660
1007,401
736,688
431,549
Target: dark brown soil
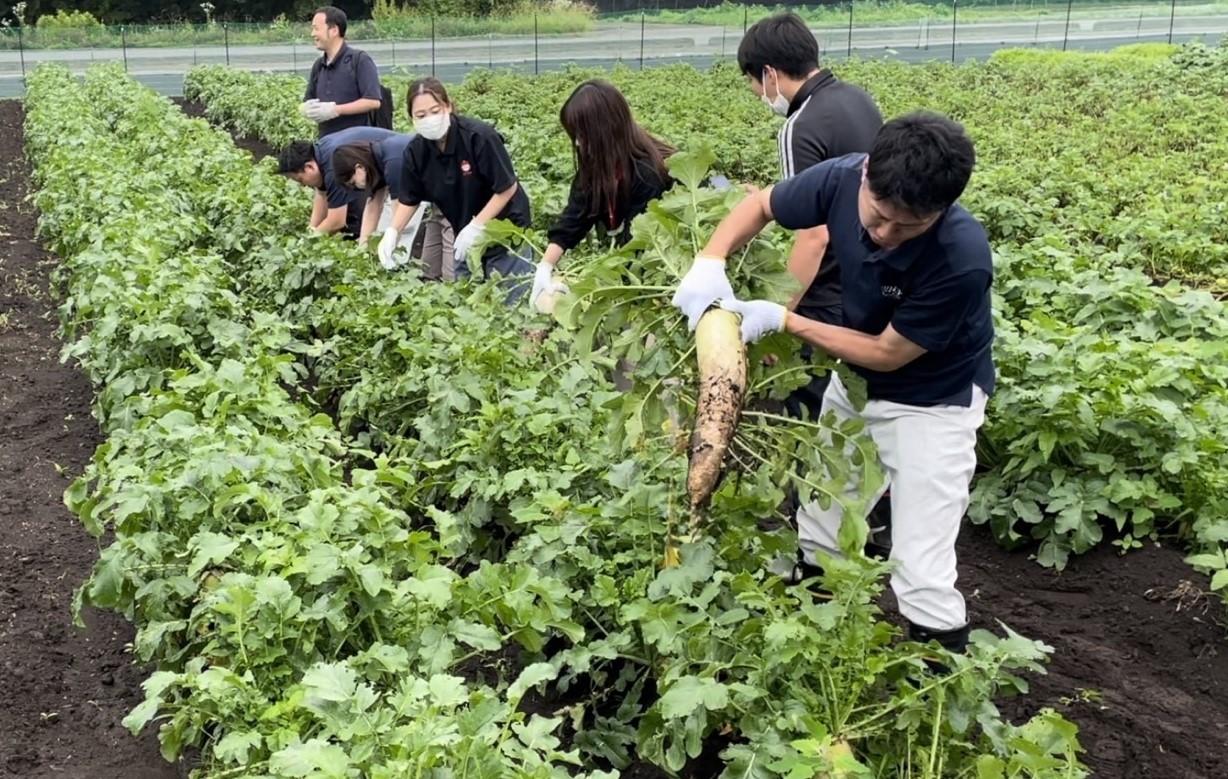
258,148
1141,660
63,690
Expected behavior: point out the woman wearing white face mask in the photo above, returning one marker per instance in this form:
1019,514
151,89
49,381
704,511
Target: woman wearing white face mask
462,166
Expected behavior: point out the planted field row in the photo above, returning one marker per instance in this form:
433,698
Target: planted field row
365,527
1100,182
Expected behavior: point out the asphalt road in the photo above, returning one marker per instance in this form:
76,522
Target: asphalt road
451,59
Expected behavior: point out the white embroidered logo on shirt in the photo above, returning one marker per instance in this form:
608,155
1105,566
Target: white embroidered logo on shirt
893,292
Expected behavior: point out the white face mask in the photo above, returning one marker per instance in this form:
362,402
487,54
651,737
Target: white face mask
778,104
433,127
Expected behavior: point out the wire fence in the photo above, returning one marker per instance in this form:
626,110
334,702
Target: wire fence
640,37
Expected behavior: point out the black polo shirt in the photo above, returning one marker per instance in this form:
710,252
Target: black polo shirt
334,192
934,290
462,178
578,218
828,118
351,76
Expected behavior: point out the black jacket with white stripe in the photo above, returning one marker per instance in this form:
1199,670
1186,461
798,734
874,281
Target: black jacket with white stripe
827,118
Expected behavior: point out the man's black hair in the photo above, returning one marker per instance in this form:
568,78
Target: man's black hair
333,17
781,41
295,157
921,162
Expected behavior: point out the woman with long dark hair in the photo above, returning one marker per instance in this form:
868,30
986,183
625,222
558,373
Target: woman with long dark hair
375,168
620,168
461,165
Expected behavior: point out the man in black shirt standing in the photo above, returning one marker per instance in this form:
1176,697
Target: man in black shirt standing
343,88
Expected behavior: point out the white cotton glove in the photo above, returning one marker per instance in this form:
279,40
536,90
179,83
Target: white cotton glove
318,112
759,317
543,281
465,241
703,285
387,246
307,107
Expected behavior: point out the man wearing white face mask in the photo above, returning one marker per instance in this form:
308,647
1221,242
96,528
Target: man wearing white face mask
827,118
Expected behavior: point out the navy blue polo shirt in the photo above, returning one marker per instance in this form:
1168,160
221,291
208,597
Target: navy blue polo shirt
336,194
388,155
934,289
351,76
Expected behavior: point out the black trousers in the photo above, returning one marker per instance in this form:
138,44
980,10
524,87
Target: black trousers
353,215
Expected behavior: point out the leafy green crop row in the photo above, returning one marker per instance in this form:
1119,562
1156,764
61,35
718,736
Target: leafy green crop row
457,570
1100,178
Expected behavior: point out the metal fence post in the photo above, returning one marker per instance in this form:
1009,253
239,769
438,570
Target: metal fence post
643,23
849,53
536,62
954,25
226,40
21,48
394,55
490,51
745,18
1172,18
432,44
1066,34
123,45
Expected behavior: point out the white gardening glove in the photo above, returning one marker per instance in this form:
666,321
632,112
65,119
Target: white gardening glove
543,281
307,107
703,285
387,246
465,240
320,112
759,317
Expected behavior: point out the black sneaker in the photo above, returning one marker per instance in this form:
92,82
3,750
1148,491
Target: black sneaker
878,544
803,572
954,641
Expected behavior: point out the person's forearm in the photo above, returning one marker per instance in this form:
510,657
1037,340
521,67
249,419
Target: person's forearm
744,222
363,105
851,346
319,210
805,259
553,254
401,216
370,217
333,222
495,205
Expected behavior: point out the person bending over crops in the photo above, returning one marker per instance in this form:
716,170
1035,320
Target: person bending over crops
375,168
311,164
620,168
917,327
462,166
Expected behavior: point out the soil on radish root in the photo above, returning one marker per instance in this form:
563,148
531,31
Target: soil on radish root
63,690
